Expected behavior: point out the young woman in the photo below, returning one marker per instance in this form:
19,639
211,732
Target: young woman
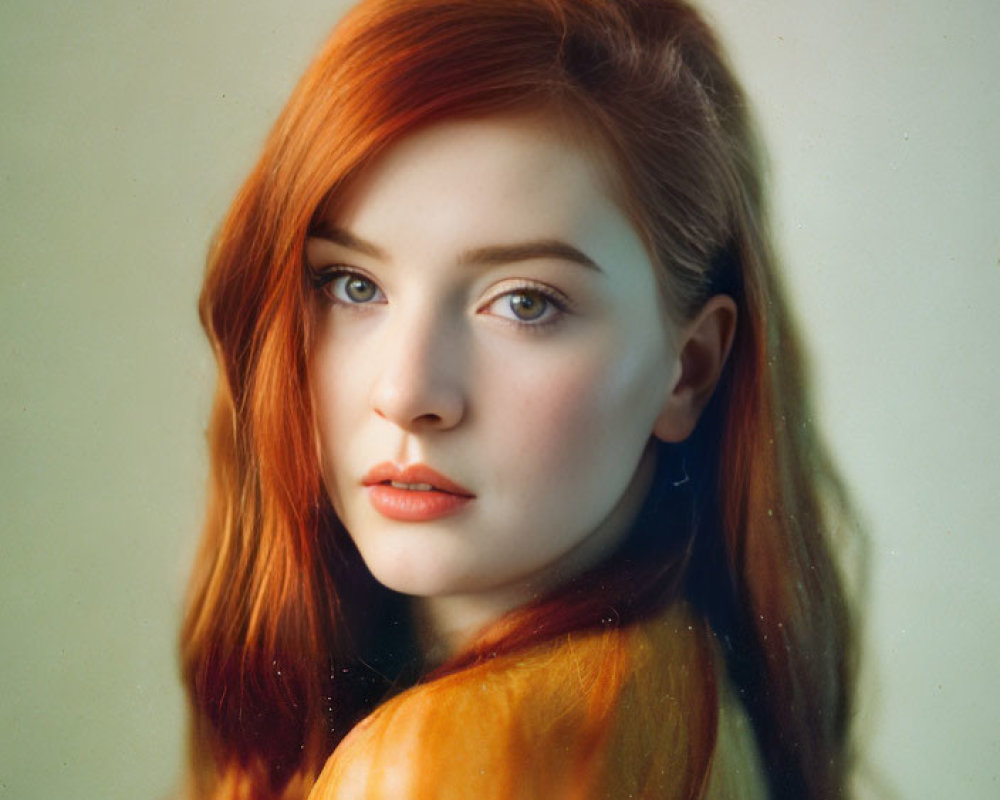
515,490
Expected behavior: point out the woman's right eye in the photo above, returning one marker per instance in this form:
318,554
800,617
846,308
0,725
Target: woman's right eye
350,288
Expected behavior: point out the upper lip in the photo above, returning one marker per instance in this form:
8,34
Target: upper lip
414,473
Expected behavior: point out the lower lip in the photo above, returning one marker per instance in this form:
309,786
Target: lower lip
408,505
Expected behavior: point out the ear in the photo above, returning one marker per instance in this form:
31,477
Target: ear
702,348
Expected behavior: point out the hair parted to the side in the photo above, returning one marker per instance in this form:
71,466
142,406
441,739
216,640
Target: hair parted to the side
285,632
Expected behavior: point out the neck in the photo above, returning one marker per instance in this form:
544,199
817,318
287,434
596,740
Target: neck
446,625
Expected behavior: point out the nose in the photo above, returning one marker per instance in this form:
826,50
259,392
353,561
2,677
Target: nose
420,385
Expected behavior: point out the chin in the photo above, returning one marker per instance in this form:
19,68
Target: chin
421,574
411,582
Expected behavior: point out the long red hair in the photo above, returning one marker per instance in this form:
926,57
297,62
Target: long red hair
287,641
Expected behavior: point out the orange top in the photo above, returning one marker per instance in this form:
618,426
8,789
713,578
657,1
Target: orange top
635,712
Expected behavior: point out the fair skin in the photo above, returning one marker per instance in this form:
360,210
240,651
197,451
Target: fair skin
485,308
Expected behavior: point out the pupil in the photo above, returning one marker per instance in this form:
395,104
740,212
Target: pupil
527,305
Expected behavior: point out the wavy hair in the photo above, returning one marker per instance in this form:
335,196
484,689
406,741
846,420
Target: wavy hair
287,641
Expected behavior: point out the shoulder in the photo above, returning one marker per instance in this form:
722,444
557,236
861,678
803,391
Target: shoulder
589,710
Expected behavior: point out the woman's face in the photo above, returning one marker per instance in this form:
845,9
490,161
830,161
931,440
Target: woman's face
489,337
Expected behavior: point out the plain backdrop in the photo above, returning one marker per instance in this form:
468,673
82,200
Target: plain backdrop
126,129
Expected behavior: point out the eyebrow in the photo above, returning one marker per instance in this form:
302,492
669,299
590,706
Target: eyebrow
348,240
489,256
526,251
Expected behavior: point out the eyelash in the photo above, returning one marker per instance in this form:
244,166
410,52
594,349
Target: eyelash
323,278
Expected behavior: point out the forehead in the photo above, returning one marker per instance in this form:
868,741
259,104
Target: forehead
465,183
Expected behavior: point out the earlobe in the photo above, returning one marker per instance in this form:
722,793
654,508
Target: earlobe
702,348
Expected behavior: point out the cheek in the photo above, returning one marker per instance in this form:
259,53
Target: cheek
335,403
342,368
582,416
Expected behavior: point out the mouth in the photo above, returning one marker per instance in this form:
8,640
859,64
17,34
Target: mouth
415,493
413,478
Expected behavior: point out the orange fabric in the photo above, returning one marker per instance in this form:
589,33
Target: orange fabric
616,713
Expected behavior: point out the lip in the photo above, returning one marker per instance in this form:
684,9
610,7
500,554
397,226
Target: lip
414,473
413,505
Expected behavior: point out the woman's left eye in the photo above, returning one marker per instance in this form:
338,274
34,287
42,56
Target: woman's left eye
526,306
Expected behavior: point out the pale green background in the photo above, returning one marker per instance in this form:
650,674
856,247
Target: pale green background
125,130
